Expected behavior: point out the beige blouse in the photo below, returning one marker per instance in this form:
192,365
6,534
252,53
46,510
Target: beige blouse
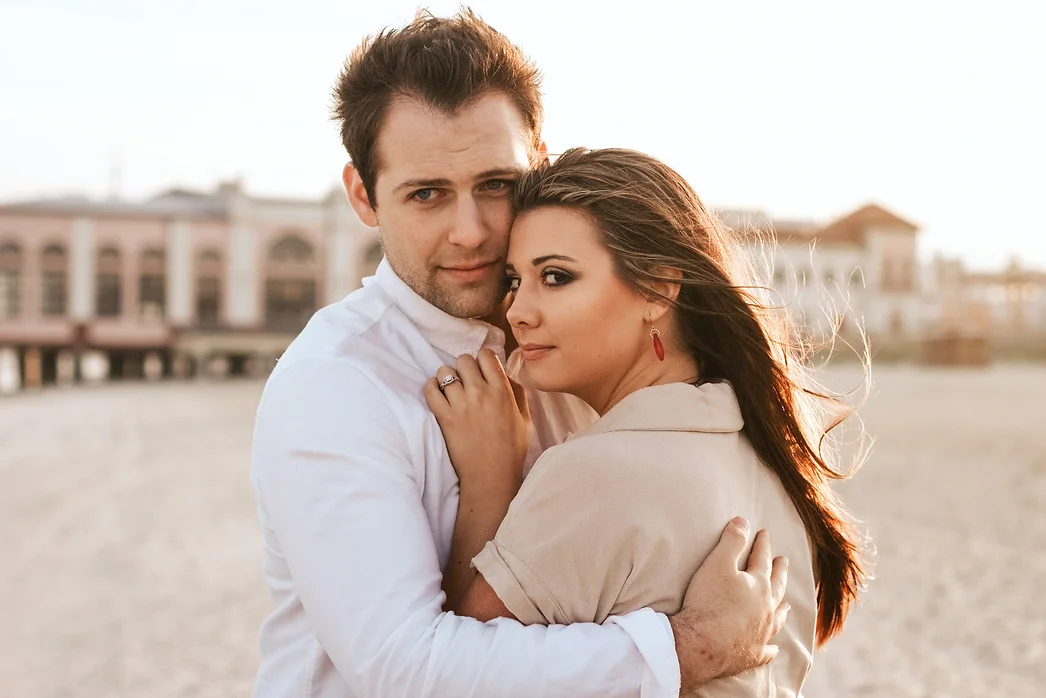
621,515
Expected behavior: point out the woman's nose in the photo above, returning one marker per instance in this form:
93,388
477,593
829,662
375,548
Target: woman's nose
523,310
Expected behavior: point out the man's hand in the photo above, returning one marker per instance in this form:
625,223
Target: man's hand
730,615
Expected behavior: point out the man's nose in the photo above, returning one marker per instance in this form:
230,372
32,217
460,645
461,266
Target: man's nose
469,230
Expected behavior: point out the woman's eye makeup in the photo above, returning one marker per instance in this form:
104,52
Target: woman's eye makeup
555,277
513,283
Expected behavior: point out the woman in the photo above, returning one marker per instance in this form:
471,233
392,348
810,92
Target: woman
625,295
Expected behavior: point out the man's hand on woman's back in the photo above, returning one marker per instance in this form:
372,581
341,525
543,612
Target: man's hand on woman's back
729,615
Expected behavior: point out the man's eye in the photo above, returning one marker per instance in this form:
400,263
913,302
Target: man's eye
424,194
497,185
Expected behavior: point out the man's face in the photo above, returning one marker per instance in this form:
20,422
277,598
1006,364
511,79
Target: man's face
443,195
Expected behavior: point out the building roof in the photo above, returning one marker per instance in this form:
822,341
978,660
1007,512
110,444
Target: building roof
848,230
851,229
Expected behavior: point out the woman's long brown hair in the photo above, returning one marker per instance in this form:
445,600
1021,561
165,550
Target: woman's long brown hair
658,231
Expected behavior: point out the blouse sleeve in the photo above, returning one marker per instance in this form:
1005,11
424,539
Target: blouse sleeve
565,549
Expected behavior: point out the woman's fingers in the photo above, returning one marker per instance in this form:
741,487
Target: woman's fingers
468,371
448,389
493,371
436,399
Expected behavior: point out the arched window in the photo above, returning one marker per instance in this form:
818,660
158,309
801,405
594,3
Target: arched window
55,277
291,280
152,284
109,283
10,279
208,288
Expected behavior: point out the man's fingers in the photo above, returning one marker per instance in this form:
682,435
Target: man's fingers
732,544
778,579
780,616
767,655
759,560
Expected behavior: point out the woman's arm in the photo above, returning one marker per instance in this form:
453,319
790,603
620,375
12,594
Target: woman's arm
486,425
482,603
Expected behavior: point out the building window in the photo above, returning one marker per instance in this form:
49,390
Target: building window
208,301
109,283
55,281
10,280
291,282
152,285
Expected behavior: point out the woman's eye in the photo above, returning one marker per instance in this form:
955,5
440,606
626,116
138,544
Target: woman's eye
513,284
555,278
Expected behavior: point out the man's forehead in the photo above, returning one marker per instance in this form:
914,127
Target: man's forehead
418,141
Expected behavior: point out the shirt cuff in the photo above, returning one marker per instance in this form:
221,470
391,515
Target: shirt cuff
516,585
652,634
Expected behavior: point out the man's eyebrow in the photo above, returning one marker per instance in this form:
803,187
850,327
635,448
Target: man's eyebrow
422,184
500,172
541,260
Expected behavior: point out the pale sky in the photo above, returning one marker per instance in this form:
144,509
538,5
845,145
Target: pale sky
935,110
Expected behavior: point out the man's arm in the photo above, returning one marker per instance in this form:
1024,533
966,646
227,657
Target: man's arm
337,484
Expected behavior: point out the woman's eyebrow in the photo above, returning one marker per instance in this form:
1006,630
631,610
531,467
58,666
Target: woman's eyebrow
562,257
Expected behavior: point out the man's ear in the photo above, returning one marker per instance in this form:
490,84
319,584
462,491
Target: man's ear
358,198
541,155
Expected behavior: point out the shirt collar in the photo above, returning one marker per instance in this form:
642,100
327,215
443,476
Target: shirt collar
453,335
710,407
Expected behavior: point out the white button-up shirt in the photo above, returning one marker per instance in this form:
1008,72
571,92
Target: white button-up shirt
357,500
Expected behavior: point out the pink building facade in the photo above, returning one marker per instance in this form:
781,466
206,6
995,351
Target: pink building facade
182,284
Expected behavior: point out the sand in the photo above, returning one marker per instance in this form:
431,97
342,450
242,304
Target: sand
133,557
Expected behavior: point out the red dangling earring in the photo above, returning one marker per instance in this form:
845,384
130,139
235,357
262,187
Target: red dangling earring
659,348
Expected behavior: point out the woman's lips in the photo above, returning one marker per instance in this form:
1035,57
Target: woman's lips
532,352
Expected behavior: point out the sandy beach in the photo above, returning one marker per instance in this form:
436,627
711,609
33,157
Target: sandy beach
133,560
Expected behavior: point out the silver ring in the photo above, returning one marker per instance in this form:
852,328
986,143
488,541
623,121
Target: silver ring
447,381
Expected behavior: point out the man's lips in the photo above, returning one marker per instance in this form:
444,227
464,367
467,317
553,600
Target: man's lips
532,352
469,272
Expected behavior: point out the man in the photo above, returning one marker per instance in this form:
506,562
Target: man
358,500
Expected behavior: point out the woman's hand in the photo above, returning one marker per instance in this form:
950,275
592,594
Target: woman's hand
485,422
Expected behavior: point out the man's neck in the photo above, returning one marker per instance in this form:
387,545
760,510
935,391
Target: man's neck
498,319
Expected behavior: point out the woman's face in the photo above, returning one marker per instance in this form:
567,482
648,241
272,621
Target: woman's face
582,329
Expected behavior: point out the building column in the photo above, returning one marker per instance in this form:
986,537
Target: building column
241,296
179,274
342,247
82,271
94,366
10,371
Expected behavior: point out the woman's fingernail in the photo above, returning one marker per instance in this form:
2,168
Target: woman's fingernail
741,523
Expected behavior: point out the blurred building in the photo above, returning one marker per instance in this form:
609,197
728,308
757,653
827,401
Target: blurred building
1005,305
861,268
185,283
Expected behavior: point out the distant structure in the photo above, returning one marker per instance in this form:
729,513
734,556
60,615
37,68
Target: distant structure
218,283
185,283
863,266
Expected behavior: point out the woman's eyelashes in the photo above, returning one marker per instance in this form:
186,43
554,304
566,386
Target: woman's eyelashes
550,278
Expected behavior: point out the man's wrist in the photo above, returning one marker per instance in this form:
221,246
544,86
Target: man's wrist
697,661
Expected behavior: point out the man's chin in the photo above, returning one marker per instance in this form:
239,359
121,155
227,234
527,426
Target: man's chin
468,300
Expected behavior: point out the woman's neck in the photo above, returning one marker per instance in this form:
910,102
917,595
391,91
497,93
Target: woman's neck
676,368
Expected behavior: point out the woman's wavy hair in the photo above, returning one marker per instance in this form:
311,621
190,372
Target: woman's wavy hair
659,232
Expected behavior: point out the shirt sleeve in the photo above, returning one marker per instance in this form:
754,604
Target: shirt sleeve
339,489
573,537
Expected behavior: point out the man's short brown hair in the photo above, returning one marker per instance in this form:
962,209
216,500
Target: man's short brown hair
446,63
